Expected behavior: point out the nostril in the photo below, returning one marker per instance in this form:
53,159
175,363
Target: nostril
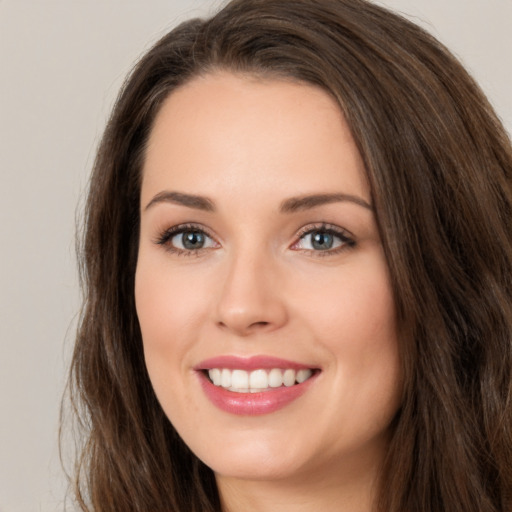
259,324
246,329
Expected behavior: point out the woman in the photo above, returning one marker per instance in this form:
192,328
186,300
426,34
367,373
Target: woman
297,269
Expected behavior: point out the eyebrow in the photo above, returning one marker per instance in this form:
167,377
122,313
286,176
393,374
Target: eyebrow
189,200
291,205
295,204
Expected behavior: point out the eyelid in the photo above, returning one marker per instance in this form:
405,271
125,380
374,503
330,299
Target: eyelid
165,236
345,236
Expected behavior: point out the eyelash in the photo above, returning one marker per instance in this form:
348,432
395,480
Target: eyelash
165,238
347,240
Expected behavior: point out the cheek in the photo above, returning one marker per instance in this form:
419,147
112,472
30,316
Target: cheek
353,319
168,304
170,314
350,308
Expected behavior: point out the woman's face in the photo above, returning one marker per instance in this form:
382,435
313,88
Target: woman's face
260,267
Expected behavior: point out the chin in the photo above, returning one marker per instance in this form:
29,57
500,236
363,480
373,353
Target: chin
255,457
258,468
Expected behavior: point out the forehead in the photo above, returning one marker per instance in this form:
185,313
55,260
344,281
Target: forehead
242,131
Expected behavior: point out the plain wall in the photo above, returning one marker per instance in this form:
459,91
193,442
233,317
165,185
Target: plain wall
61,65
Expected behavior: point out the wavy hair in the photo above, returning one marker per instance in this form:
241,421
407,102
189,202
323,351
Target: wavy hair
439,164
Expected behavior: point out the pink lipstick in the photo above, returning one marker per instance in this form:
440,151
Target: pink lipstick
256,385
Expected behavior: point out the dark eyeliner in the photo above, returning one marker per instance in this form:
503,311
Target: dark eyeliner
348,241
166,236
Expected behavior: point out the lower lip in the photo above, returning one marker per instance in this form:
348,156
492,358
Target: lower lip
253,404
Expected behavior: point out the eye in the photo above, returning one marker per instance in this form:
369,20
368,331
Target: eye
191,240
324,239
186,240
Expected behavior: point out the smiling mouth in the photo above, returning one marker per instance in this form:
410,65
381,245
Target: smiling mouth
259,380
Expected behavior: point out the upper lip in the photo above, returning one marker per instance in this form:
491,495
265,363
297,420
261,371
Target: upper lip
249,363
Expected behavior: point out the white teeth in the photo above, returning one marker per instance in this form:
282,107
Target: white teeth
289,378
258,379
215,375
303,375
241,381
225,379
275,378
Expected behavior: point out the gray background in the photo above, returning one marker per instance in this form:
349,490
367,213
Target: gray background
61,65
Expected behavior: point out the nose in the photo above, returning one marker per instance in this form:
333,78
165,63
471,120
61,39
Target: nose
251,299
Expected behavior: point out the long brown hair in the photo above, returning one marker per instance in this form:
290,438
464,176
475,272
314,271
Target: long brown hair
439,165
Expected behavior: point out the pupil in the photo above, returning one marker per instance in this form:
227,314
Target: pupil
193,240
322,241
